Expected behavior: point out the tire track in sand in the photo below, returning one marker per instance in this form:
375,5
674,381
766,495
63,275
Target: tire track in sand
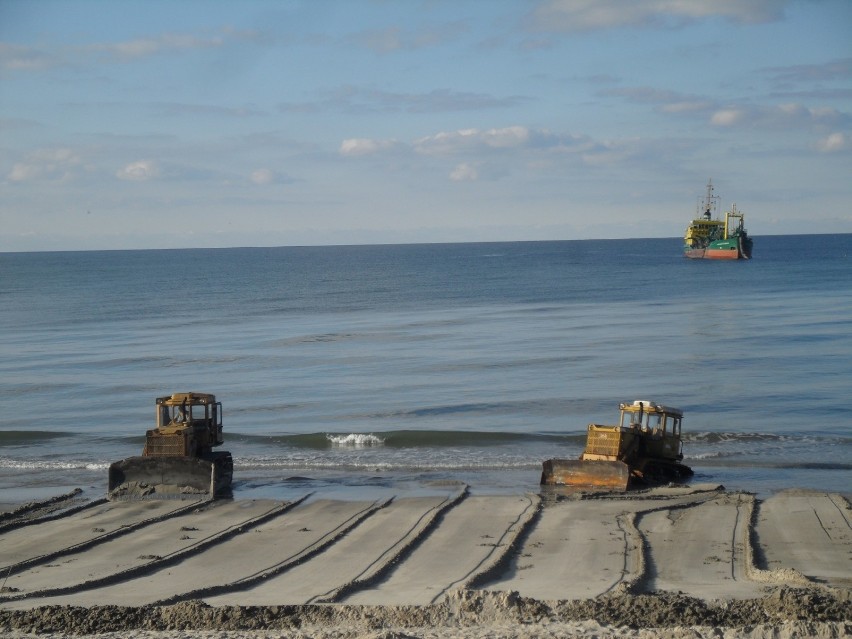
701,549
360,556
470,538
118,560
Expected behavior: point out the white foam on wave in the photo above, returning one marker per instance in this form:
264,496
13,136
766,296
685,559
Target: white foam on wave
356,440
43,464
701,456
381,464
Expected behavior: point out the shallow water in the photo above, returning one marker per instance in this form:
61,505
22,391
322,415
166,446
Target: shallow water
362,368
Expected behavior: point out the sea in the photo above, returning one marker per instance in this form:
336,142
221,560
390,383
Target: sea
358,371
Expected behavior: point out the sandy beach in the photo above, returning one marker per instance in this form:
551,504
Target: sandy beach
690,561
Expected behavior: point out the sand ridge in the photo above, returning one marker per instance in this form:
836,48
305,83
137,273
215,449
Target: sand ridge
675,556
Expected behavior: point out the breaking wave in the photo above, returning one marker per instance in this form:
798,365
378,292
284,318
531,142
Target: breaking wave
409,439
355,440
47,464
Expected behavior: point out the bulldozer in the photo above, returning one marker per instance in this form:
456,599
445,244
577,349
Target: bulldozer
645,448
178,460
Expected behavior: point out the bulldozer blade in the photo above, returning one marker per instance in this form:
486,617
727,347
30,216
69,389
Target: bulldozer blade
610,475
162,478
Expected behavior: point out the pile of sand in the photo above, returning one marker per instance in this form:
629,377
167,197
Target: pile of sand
785,613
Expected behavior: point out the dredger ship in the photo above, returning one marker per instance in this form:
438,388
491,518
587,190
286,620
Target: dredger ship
711,238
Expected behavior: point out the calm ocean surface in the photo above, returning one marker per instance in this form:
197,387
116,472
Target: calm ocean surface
395,368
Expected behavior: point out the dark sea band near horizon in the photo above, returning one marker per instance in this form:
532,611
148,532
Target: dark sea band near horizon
364,369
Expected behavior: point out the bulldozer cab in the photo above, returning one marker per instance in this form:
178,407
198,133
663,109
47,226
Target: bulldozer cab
659,425
188,425
199,411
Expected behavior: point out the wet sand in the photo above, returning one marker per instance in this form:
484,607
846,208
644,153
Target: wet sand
452,564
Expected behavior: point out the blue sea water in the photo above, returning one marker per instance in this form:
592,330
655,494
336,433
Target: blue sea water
364,368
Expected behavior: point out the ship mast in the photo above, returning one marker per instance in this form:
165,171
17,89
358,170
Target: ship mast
708,206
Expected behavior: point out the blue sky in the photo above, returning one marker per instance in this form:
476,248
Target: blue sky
204,124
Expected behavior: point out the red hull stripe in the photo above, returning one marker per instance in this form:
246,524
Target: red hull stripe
722,255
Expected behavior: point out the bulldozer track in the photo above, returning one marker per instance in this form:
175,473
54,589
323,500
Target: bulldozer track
279,567
45,510
127,529
404,545
155,563
703,541
40,519
504,542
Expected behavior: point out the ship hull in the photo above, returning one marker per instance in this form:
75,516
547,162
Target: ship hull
735,248
722,254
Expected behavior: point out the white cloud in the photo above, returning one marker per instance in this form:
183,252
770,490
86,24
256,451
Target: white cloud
591,15
479,142
163,43
782,115
51,164
22,58
364,146
508,138
262,176
686,106
834,143
789,115
792,110
138,171
464,172
22,173
356,99
727,117
833,70
827,116
615,152
490,154
395,39
16,57
512,137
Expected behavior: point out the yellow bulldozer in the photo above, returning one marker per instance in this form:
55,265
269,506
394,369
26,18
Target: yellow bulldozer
645,448
178,460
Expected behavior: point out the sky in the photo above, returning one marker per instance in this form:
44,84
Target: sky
189,123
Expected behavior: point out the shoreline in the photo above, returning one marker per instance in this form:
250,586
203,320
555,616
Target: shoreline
451,564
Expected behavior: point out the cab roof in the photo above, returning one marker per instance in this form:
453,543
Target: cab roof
176,399
649,407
